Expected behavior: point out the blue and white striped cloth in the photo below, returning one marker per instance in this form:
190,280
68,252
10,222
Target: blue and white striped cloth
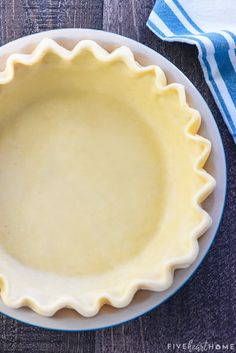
211,26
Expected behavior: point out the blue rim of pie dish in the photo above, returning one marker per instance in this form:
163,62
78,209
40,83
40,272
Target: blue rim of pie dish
186,280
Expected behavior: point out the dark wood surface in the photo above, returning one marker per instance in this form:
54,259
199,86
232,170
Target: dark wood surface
204,309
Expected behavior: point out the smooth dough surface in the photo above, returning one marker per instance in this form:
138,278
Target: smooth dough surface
82,174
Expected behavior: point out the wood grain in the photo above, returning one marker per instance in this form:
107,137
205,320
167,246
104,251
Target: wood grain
204,309
21,17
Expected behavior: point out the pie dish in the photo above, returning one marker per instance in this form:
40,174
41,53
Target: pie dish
101,179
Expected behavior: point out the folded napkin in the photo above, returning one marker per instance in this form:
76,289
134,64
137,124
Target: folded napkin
211,25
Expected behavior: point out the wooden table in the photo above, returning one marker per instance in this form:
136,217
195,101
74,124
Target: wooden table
204,310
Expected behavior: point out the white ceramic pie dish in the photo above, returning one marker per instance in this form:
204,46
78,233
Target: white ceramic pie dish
104,38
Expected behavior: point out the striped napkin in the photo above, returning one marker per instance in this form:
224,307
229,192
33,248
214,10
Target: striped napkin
211,26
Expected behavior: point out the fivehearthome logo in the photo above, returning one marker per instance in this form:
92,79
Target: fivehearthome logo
192,346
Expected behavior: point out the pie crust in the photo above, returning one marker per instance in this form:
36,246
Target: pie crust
101,179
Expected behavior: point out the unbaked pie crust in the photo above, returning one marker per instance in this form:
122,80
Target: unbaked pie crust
101,179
